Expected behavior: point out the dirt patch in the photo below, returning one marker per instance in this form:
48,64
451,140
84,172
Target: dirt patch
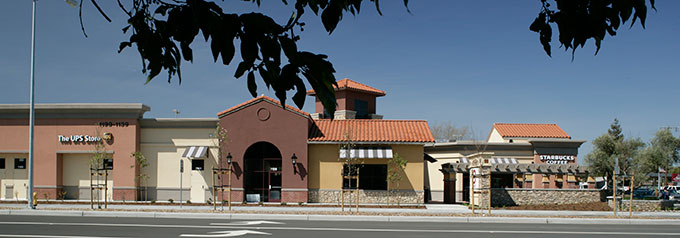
593,206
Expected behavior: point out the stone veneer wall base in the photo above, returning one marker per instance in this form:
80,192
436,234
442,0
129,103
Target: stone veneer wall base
522,196
366,196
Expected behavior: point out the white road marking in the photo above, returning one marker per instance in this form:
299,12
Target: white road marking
50,236
226,233
245,223
611,233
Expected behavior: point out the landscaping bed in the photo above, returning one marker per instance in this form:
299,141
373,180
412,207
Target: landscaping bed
592,206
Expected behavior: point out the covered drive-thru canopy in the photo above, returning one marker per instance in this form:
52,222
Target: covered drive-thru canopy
520,168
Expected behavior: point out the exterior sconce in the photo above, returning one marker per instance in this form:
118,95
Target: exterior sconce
294,159
229,158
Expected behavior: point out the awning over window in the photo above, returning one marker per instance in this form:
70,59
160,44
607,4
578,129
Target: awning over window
195,152
368,153
503,161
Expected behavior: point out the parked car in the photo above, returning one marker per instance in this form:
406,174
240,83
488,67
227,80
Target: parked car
674,195
643,193
671,188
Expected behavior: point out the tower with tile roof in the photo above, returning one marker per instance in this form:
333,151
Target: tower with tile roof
355,101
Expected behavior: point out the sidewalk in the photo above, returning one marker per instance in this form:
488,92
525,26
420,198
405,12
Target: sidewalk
431,213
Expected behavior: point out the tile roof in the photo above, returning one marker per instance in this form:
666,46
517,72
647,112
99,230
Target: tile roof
369,130
527,130
258,99
353,85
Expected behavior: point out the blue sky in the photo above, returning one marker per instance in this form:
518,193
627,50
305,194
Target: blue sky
472,63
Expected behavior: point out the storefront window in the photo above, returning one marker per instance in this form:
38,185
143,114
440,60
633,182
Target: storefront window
349,180
108,164
371,177
197,164
20,163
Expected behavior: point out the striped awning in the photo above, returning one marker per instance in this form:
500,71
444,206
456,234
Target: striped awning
368,153
195,152
503,161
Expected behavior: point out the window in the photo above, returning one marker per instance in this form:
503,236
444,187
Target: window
371,177
2,163
361,107
197,164
349,182
20,163
108,164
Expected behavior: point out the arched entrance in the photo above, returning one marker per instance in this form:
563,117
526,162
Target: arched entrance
262,179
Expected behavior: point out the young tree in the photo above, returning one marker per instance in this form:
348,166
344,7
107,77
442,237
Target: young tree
395,174
350,168
163,32
142,178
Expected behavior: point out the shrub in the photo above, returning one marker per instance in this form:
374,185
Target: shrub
300,203
171,200
260,203
188,201
284,203
153,201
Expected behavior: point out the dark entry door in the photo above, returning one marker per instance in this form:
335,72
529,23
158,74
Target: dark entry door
263,172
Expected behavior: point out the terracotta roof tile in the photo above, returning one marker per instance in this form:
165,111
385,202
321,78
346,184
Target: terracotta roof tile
530,130
353,85
256,100
367,130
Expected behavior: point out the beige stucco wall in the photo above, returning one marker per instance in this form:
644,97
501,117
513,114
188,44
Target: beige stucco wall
76,173
325,168
13,177
495,136
163,149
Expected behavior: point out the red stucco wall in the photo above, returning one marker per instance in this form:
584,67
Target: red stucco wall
47,165
284,129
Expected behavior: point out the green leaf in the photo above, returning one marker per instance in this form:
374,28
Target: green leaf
186,52
249,48
330,17
242,68
227,52
289,47
252,87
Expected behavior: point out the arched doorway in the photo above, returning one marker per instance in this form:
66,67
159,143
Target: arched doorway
262,177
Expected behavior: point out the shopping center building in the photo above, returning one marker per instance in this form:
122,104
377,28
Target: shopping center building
276,153
520,156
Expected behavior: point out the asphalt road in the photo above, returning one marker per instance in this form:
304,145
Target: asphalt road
79,227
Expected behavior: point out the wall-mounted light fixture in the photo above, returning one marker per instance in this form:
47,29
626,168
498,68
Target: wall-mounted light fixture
229,158
294,159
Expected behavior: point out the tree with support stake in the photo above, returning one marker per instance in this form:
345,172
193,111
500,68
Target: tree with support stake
350,170
219,172
395,174
99,169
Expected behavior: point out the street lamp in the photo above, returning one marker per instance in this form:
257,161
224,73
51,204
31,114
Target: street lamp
294,159
31,116
228,174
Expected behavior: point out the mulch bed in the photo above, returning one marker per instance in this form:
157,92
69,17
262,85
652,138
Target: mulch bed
593,206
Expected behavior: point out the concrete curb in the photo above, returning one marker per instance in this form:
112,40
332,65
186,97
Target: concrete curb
242,216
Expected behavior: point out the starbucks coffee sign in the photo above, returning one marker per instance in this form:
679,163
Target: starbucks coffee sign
557,159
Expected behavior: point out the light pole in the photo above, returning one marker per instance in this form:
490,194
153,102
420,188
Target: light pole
32,113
